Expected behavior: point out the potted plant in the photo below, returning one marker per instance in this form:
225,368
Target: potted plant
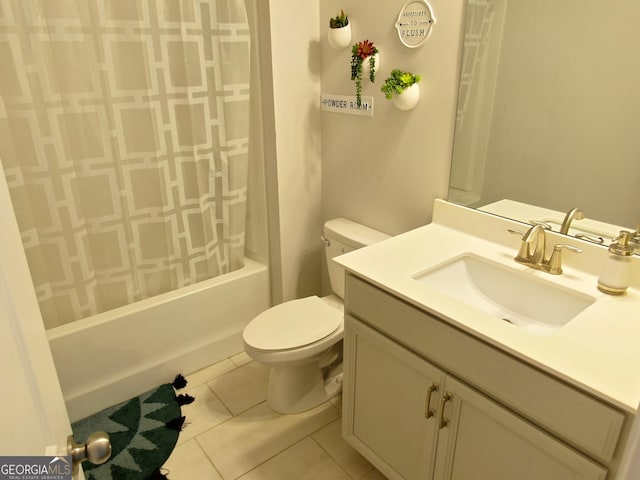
339,34
403,88
365,59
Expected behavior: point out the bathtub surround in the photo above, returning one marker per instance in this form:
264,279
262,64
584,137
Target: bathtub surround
124,136
131,349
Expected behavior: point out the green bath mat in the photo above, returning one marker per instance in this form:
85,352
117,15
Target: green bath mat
143,432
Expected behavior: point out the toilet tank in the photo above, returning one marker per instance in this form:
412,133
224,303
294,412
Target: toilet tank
342,236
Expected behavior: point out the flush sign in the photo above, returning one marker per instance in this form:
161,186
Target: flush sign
414,23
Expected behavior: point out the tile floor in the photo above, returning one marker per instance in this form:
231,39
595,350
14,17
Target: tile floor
231,433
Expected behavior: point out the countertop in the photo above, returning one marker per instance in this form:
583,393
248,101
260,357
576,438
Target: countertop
598,351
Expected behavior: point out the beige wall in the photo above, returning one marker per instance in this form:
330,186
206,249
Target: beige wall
382,171
296,89
256,241
386,170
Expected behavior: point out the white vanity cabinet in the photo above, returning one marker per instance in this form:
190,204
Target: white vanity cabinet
423,400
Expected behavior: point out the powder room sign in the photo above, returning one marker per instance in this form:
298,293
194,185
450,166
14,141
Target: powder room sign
414,23
346,104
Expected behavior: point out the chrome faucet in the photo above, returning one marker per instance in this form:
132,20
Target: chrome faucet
573,214
533,247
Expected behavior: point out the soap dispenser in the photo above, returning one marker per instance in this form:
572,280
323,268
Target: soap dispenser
635,240
616,273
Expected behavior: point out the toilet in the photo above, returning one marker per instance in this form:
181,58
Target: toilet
301,340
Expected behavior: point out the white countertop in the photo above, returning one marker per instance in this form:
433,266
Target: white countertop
597,351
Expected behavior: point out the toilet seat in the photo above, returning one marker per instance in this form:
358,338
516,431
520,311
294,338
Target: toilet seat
293,324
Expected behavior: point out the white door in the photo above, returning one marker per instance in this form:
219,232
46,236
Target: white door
33,415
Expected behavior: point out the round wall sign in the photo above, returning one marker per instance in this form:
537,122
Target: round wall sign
414,23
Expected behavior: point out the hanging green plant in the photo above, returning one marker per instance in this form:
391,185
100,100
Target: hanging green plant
339,21
339,34
361,52
397,82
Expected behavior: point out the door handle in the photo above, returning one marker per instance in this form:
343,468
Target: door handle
444,421
97,450
428,411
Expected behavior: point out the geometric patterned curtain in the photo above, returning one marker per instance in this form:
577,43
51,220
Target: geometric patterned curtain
124,130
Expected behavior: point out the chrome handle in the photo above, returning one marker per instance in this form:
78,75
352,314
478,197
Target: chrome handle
97,450
429,412
516,232
444,421
326,242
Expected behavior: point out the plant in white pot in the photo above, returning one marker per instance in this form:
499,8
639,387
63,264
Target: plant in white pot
403,88
365,59
339,34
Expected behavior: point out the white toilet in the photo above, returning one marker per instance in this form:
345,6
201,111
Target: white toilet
301,340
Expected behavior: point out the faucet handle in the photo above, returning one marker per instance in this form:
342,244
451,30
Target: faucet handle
523,254
555,261
534,223
590,238
544,225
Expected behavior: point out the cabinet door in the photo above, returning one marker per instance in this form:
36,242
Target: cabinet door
390,399
480,439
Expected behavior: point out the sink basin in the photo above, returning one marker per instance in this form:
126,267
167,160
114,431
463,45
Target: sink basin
516,297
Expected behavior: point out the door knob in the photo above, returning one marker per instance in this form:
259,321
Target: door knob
97,450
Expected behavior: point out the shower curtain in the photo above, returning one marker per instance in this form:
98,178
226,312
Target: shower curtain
124,131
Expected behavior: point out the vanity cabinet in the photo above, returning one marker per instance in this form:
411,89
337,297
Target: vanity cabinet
423,400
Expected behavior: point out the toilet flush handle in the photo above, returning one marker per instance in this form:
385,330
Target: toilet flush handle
326,241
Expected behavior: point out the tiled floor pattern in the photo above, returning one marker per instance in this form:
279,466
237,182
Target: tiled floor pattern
231,433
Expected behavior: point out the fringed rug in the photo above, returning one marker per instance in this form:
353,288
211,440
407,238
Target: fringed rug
143,433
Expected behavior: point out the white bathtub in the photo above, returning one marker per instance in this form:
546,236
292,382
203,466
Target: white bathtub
113,356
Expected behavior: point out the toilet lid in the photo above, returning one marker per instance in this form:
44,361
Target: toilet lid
292,324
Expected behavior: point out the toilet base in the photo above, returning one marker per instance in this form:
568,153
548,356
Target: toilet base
294,389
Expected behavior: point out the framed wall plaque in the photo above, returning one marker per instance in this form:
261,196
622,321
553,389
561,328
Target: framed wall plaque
414,23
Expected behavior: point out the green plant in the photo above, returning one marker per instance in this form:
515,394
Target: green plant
397,82
361,52
339,21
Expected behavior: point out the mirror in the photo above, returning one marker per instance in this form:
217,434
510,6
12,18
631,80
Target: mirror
548,113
